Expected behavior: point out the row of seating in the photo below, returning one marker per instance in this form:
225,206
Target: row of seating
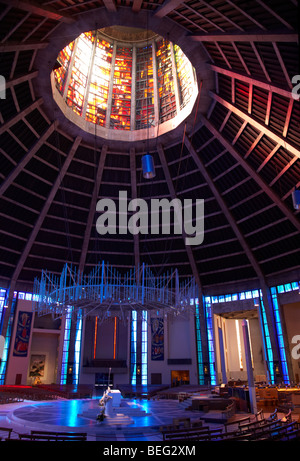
6,397
259,429
20,393
47,436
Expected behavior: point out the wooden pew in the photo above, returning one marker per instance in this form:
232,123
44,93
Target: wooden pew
247,419
67,435
54,436
8,432
279,432
188,433
252,424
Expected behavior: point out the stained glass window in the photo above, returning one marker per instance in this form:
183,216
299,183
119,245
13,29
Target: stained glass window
121,93
144,109
63,60
185,76
116,85
80,71
165,81
99,87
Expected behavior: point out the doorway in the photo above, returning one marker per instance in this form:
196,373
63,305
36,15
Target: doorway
180,377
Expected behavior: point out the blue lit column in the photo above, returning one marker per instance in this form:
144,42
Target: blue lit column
268,352
199,345
139,348
210,338
70,366
280,336
6,332
275,339
133,347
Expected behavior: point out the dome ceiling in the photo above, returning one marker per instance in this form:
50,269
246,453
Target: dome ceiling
239,149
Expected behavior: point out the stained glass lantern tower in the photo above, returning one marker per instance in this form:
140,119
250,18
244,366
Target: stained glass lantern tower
126,89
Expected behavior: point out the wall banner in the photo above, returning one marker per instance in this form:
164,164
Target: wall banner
22,334
157,339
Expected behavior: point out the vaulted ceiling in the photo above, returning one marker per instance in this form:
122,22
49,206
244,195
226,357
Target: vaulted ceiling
239,150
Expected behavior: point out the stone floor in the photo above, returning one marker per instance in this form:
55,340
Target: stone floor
133,420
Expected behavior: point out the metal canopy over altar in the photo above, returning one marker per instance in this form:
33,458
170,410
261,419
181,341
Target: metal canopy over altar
104,292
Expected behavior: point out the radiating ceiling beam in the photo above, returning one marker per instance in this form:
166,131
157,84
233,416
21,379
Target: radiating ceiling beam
237,232
20,115
259,126
223,207
17,25
166,7
174,196
45,209
205,18
248,251
92,209
20,79
251,80
247,37
110,5
276,15
247,167
33,235
190,255
219,13
17,46
282,65
27,157
244,13
40,10
136,6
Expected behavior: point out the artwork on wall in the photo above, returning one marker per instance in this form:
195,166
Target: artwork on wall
37,365
157,339
22,334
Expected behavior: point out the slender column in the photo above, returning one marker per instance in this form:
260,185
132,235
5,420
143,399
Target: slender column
251,386
133,89
155,85
175,78
111,84
70,69
90,73
222,356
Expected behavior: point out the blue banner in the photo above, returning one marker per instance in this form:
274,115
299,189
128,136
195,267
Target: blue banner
157,335
22,334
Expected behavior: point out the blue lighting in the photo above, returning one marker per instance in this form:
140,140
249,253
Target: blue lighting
133,345
210,337
144,349
280,336
267,343
65,356
148,166
199,346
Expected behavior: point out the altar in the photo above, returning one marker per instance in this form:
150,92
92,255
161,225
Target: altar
115,395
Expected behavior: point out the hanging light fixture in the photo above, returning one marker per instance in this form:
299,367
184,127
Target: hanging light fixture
296,198
148,166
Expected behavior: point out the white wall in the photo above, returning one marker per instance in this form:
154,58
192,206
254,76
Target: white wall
231,350
179,343
45,344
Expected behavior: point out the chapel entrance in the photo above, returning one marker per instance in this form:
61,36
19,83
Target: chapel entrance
180,377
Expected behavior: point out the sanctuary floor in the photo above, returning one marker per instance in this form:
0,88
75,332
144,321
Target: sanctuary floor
134,420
